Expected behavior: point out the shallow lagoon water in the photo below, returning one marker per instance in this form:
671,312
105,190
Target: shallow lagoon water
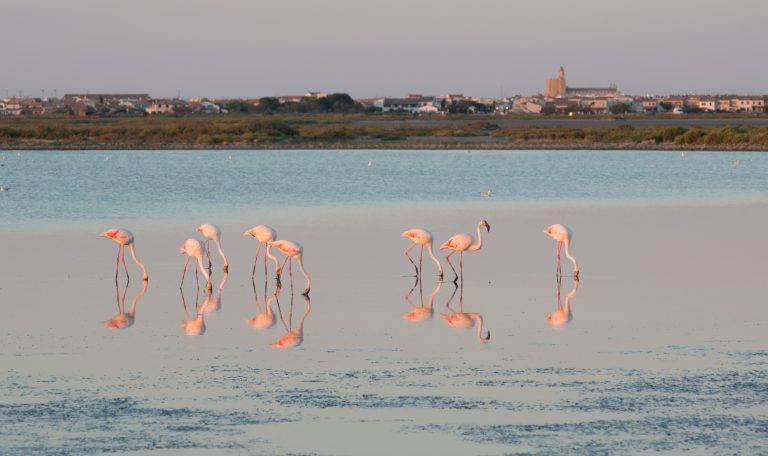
665,350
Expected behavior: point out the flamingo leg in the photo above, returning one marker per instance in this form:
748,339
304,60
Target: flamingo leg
255,257
559,248
208,253
280,271
421,255
409,258
290,275
265,269
122,249
183,273
448,259
117,263
461,268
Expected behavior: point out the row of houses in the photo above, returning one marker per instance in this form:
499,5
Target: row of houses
81,105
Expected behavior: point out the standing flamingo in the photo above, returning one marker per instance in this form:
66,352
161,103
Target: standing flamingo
292,250
460,243
422,238
563,235
264,234
213,233
123,238
194,248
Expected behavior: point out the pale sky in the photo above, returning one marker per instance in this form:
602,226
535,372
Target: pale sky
253,48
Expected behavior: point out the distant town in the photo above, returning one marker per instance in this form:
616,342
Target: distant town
558,98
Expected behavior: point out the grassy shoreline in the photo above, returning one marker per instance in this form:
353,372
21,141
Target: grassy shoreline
359,132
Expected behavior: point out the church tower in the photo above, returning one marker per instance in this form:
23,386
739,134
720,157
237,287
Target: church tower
555,87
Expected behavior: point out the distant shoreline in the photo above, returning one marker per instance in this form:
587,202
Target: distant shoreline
367,132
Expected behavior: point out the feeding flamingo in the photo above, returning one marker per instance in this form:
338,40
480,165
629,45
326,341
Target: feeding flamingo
123,238
422,238
213,233
465,320
460,243
291,250
264,234
194,248
563,235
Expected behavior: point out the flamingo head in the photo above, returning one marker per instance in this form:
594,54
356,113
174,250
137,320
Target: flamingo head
200,229
486,225
109,234
249,233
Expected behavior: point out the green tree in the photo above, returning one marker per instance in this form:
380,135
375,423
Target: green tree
268,104
619,108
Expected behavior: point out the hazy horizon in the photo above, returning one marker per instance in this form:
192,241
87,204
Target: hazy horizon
237,48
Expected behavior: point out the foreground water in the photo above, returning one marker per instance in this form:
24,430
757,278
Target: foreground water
662,348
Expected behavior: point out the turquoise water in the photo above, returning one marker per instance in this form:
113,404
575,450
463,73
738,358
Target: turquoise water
662,349
108,185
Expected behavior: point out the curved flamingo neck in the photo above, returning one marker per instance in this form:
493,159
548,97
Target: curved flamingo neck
202,268
568,254
479,243
221,252
439,266
136,260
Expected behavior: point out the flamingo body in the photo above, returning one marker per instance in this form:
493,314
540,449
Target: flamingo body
264,234
292,250
462,242
122,238
213,233
194,248
563,235
424,239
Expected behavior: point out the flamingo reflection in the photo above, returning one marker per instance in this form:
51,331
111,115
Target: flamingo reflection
423,313
124,319
212,301
292,337
194,326
264,319
464,320
563,314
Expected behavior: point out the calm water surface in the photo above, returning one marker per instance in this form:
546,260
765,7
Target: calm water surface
175,184
661,347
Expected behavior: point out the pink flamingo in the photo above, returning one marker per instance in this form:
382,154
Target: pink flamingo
212,233
460,243
194,248
292,250
563,314
563,235
123,238
422,238
264,234
465,320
